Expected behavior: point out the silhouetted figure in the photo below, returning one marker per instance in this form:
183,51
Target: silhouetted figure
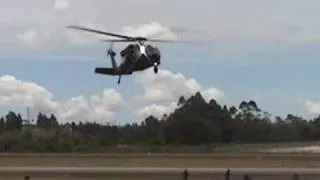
295,176
227,175
185,174
246,177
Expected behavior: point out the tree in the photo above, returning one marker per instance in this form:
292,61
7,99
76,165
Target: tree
47,123
2,125
193,122
13,121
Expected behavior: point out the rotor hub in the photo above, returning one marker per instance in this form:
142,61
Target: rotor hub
141,43
141,39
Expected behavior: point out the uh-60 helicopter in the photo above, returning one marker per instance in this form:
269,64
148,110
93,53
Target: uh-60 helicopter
136,56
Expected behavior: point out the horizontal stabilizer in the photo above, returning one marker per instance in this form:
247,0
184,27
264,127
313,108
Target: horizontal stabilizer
109,71
106,71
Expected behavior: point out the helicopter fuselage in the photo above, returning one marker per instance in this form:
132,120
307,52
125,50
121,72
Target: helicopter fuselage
142,56
135,57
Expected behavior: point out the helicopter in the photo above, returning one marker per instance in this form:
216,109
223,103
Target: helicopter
136,56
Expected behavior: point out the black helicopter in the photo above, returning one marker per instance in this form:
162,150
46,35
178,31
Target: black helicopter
137,56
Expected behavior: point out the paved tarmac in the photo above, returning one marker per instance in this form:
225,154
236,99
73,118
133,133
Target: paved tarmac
155,170
142,173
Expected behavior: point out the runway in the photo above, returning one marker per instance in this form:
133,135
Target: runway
156,170
144,173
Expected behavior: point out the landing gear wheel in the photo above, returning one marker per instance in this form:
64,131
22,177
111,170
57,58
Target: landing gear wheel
155,69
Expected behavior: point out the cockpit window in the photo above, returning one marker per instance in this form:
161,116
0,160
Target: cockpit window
152,50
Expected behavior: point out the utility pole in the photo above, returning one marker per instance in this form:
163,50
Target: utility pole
28,114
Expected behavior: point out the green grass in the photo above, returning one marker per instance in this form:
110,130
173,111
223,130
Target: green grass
248,155
162,160
212,149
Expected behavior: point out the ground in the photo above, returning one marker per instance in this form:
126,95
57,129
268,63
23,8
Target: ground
217,160
267,158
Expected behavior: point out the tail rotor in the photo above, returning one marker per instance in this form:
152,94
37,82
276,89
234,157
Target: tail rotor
112,55
110,51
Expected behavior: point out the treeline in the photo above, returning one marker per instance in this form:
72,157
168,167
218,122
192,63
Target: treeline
194,122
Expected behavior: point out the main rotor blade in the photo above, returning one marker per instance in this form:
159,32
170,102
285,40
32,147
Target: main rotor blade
177,41
159,40
100,32
116,40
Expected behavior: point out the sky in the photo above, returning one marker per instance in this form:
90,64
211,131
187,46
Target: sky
265,50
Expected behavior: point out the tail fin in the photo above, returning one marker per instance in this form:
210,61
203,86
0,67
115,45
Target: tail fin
114,63
113,60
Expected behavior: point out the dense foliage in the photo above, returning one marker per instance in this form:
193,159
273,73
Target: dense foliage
194,122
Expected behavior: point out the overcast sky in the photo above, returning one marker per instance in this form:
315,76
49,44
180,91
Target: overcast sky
264,50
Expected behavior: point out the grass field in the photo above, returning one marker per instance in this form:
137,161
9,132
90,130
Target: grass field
248,155
275,155
163,160
225,160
